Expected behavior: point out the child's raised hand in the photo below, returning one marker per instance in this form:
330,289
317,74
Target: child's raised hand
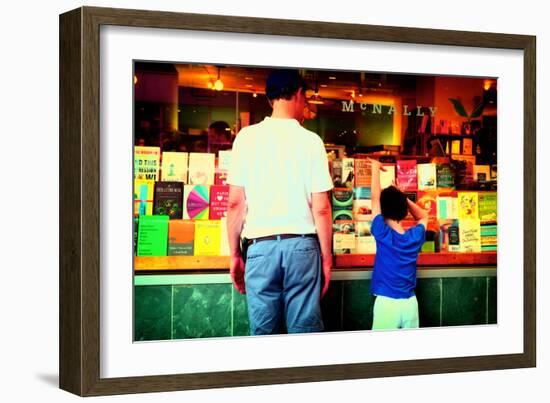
376,163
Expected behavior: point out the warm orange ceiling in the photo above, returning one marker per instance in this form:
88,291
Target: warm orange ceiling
332,85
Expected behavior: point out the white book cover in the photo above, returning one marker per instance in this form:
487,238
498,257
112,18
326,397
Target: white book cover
224,160
387,177
202,167
174,166
427,175
365,245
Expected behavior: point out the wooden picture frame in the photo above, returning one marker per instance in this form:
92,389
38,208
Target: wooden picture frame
80,192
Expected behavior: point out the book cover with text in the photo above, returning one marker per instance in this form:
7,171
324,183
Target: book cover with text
168,199
445,177
406,175
219,199
343,241
146,163
470,235
207,238
181,237
363,173
152,235
487,206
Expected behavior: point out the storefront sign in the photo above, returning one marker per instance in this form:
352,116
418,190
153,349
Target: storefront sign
349,106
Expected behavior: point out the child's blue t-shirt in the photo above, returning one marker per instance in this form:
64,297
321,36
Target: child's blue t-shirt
394,273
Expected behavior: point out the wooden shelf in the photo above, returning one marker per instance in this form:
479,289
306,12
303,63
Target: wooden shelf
185,263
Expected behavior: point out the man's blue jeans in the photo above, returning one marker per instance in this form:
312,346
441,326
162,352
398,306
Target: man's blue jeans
283,282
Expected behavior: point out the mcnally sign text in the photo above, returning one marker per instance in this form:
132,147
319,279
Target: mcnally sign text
349,106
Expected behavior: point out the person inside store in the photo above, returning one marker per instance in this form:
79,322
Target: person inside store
394,273
279,205
219,136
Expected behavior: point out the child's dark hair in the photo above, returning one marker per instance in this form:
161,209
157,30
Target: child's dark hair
393,203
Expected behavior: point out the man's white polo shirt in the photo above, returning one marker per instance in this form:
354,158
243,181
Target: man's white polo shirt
279,164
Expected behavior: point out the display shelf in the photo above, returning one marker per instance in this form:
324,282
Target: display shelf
183,263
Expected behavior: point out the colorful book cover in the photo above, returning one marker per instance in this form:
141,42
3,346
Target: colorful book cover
219,198
487,206
445,176
361,193
144,190
464,169
208,238
447,207
363,173
362,210
342,199
470,235
169,199
202,167
342,215
387,177
146,163
343,237
181,235
152,235
468,205
467,146
428,201
427,176
196,202
482,173
336,172
406,175
364,240
224,242
348,170
174,166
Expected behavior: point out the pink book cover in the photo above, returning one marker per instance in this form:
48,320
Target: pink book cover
219,197
406,175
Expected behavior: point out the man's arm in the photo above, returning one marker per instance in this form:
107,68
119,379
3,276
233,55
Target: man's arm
322,216
235,218
418,213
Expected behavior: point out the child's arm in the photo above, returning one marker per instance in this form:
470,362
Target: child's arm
375,190
418,213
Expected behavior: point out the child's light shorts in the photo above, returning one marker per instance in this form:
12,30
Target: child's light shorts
392,313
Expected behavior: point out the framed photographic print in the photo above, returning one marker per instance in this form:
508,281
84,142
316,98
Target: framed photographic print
155,109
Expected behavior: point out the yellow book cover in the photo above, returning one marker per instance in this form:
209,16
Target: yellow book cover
146,162
468,205
207,238
174,166
387,177
427,176
143,196
224,247
470,235
455,147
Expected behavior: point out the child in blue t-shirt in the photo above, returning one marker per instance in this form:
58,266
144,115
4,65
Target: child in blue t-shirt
394,273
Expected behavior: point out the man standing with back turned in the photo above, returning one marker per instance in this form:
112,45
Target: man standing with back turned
278,201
